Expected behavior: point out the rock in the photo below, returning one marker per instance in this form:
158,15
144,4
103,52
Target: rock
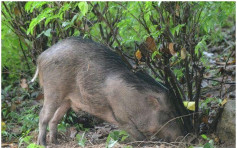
226,125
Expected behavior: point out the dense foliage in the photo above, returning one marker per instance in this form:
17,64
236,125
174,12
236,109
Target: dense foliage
167,39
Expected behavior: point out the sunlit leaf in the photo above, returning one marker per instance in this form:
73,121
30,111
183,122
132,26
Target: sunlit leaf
224,102
83,7
204,136
190,105
138,55
47,32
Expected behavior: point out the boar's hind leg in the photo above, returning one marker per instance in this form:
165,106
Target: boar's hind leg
46,114
58,115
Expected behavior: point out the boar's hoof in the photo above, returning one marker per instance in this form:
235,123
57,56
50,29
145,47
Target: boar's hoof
41,142
54,141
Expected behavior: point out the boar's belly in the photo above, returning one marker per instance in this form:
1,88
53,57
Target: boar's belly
101,110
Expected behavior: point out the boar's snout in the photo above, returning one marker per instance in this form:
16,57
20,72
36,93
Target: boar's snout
172,131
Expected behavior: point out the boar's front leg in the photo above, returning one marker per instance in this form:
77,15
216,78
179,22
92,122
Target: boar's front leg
134,132
58,115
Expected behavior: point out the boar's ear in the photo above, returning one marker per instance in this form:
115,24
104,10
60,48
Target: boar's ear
154,102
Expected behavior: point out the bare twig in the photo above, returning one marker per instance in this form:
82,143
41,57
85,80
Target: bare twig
171,121
153,70
189,83
145,25
209,79
22,50
225,69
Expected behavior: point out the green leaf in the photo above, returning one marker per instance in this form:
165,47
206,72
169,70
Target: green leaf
74,18
40,34
148,5
32,145
154,54
38,5
28,6
38,19
208,145
204,136
48,19
111,143
201,46
124,135
83,7
33,23
176,29
147,16
159,3
47,32
27,139
66,24
81,140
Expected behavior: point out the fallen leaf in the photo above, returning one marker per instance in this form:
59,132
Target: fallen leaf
207,54
232,62
171,48
16,11
223,63
78,23
73,131
13,107
224,102
183,53
17,102
208,95
9,145
24,84
217,140
177,10
204,83
39,97
205,119
221,70
3,126
162,146
138,55
151,45
86,28
96,136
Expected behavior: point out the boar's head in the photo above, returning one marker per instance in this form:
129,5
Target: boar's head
156,119
142,107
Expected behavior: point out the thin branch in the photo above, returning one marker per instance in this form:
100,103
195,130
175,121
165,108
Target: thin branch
22,50
163,21
225,69
209,79
144,21
189,83
171,121
132,15
153,70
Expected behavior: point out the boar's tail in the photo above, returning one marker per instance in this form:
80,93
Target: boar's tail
35,76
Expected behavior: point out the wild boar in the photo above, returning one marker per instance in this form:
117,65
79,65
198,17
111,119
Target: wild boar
83,75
